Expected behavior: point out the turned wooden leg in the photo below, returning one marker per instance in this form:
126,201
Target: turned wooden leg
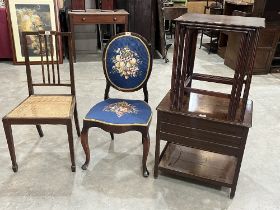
10,142
39,129
157,154
146,148
71,145
84,142
112,136
76,118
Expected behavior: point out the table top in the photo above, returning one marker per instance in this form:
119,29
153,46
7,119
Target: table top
222,20
100,12
175,7
207,107
238,2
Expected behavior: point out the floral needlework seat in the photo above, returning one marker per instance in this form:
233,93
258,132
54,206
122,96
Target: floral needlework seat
121,112
127,65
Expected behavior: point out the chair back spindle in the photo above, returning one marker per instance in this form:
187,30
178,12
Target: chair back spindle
49,53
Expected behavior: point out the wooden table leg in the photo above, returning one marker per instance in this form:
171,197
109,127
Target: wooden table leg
157,153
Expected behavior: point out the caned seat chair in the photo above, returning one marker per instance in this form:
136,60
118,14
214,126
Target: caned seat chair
39,109
127,65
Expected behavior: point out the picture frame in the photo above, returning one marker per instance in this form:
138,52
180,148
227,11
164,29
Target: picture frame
25,15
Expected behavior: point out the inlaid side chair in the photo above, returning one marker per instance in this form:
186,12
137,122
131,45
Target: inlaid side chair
127,65
39,109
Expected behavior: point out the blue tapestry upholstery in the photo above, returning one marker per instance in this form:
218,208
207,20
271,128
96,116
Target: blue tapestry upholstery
120,112
127,62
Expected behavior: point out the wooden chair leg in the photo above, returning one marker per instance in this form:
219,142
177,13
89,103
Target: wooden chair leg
146,148
40,131
84,142
112,136
71,145
76,118
9,136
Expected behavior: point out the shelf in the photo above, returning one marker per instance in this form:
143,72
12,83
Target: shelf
198,164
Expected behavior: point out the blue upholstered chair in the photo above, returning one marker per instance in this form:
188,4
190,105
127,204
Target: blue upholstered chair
127,65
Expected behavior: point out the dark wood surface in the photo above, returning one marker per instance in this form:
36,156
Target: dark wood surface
143,129
78,5
142,19
49,51
171,13
198,164
161,41
224,20
96,16
210,107
200,144
109,4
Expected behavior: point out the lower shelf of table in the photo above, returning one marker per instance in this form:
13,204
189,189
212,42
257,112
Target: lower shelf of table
199,165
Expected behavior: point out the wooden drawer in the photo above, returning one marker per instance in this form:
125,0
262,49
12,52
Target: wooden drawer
201,135
104,19
200,123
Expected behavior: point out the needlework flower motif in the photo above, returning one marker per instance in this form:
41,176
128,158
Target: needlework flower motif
126,63
121,108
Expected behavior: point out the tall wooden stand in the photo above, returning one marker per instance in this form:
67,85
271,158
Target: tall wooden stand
206,131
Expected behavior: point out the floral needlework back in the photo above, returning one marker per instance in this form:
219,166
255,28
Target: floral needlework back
126,63
121,108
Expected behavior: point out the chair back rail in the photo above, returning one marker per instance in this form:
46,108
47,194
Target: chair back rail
49,53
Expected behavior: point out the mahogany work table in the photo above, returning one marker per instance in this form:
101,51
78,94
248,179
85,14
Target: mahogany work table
96,16
201,143
206,130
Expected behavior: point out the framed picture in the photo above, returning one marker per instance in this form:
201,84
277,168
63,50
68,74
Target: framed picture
25,15
2,4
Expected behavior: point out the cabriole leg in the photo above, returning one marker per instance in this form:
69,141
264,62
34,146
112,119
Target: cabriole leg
146,148
84,142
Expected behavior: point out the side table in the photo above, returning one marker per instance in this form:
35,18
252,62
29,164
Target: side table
96,16
201,143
